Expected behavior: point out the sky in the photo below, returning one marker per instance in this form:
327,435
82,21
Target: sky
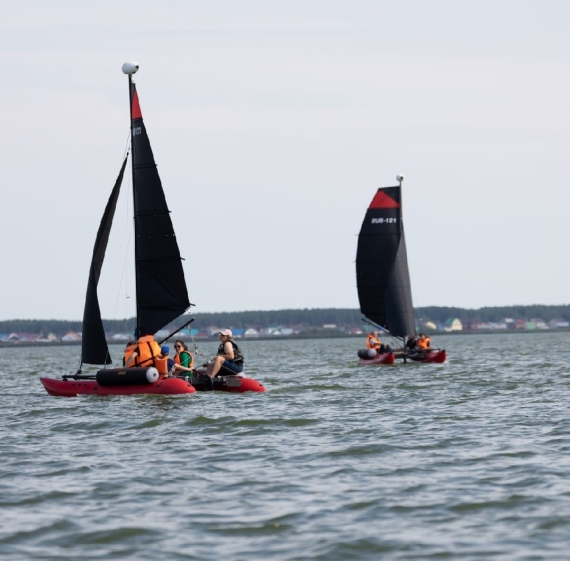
273,124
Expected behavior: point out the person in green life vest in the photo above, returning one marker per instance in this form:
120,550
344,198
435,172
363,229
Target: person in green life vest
183,359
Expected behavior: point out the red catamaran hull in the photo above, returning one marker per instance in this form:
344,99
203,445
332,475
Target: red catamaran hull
385,358
438,356
232,384
73,388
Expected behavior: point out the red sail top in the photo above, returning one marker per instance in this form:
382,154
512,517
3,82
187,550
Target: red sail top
136,107
381,200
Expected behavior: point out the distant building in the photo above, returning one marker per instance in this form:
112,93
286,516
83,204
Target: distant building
120,337
251,332
453,324
558,323
71,336
539,323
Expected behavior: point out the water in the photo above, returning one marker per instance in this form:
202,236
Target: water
465,460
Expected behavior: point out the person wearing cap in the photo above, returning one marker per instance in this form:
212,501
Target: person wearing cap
183,359
165,351
229,360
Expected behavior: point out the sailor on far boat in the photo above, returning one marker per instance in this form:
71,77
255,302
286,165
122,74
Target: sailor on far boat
374,346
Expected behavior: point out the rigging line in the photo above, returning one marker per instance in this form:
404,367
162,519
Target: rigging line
127,145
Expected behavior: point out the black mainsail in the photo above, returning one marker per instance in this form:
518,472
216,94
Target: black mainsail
382,275
162,295
94,349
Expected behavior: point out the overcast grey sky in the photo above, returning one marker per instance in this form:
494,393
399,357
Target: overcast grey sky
272,124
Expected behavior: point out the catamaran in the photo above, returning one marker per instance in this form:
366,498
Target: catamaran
161,291
383,278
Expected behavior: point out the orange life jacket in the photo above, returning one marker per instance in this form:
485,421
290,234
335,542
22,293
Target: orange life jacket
423,343
372,342
191,361
128,353
150,355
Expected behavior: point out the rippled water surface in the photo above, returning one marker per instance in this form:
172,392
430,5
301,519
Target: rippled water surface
465,460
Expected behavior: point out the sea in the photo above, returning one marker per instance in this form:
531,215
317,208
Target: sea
465,460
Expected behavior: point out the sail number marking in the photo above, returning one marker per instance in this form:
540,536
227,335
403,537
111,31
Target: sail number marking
384,220
137,130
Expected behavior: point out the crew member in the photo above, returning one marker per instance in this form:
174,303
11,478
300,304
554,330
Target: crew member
412,343
131,354
424,342
372,341
228,361
183,360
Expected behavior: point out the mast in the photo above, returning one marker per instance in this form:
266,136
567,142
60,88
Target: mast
130,68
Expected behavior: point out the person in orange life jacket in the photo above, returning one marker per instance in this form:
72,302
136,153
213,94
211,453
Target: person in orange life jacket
131,354
424,342
183,359
165,352
229,360
372,342
142,353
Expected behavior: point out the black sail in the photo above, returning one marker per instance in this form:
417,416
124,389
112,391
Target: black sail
382,275
161,288
94,349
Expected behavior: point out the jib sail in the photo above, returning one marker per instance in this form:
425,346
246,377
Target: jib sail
94,349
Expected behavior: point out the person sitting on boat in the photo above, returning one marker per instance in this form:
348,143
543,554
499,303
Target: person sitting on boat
424,342
183,359
145,353
131,354
229,360
165,353
412,343
372,342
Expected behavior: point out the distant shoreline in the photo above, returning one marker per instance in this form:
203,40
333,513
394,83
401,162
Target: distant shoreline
434,335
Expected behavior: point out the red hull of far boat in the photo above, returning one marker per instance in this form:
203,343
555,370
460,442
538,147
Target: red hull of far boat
73,388
437,356
230,384
385,358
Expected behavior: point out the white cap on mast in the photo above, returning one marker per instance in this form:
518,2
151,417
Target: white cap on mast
399,178
130,67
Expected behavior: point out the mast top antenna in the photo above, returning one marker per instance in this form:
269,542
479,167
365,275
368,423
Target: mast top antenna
130,68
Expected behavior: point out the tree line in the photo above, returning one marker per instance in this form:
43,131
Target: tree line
307,318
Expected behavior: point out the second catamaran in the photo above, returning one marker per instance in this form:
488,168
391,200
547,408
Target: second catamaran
383,277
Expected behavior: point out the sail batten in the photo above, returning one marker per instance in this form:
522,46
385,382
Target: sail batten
382,274
162,294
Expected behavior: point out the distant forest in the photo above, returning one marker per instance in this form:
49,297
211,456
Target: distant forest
307,318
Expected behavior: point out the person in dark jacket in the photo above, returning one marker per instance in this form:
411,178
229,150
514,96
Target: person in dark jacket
229,360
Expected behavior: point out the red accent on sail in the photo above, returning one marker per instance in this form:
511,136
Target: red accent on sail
381,200
136,107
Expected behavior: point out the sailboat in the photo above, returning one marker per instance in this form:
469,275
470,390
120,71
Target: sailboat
161,292
383,278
